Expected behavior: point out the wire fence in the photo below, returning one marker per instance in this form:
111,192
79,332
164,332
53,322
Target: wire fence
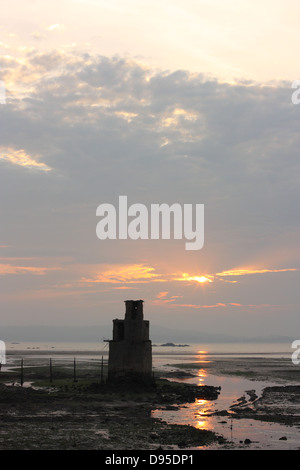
53,370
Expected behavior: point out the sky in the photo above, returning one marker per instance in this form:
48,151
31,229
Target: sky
186,102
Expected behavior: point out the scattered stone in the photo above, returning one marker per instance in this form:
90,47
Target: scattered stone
283,438
252,395
247,441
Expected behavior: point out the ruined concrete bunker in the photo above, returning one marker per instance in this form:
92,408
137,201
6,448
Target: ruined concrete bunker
130,350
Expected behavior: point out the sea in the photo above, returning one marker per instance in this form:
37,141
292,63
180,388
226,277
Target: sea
262,435
158,349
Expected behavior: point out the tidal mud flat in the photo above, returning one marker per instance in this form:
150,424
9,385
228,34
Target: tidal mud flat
258,406
279,402
86,415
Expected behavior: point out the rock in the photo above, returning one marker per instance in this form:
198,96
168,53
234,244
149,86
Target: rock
221,413
182,444
283,438
247,441
252,395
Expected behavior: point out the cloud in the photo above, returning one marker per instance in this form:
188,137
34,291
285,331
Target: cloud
21,158
56,27
226,305
199,279
164,297
110,126
11,269
162,294
38,35
244,272
208,278
135,273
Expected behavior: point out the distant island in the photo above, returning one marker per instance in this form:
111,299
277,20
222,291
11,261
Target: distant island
175,345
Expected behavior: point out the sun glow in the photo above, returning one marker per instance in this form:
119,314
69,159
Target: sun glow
201,374
199,279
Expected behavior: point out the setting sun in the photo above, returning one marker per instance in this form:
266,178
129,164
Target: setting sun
200,279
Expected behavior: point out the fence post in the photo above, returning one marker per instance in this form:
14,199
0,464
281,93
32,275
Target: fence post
75,378
51,372
22,373
101,375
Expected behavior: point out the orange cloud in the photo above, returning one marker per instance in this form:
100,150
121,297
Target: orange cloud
163,298
162,294
21,158
208,278
129,273
221,304
243,272
9,269
124,287
199,279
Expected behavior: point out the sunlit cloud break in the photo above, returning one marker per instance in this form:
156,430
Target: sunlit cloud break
164,297
9,269
243,272
132,273
21,158
225,305
200,279
208,278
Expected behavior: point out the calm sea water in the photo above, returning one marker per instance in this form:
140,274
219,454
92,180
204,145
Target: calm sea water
193,349
263,435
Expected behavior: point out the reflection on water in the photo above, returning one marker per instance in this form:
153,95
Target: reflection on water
200,409
202,373
201,413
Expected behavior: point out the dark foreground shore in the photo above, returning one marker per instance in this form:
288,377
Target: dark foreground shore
88,415
93,416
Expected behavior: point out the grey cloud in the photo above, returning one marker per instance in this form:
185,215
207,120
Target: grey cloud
239,156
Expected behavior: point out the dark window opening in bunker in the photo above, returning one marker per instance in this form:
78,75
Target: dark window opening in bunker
120,331
135,310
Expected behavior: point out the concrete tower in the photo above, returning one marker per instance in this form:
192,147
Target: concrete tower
130,350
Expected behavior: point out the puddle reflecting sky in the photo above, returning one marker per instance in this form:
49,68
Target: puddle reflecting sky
263,435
